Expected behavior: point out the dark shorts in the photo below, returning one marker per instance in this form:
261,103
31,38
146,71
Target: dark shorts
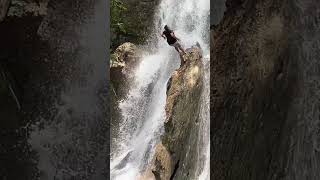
176,44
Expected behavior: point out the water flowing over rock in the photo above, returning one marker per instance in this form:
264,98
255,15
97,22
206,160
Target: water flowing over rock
143,110
123,62
176,157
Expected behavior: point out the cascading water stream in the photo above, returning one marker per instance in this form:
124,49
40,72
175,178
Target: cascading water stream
203,163
143,110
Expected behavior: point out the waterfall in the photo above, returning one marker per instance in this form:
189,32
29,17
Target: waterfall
143,110
203,163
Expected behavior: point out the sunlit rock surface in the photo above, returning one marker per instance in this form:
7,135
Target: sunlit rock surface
176,157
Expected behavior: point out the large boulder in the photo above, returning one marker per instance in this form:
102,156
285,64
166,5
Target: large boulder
125,57
162,164
176,155
122,65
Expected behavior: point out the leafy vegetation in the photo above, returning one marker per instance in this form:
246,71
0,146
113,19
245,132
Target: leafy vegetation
118,26
125,26
117,22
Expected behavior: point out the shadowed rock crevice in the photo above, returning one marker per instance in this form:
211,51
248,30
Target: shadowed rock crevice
175,170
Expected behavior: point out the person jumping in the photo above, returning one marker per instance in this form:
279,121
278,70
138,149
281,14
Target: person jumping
172,39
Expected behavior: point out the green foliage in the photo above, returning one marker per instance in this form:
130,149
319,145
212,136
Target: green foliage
117,19
117,25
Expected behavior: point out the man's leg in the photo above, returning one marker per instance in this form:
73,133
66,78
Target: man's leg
181,60
180,47
177,49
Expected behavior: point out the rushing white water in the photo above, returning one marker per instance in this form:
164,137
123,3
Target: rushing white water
143,110
203,163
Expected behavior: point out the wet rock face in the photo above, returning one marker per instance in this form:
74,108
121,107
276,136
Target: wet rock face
20,8
21,70
216,10
123,62
73,132
260,54
175,159
162,168
60,131
126,57
4,5
13,137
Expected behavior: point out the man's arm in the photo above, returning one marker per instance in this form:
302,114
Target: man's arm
164,37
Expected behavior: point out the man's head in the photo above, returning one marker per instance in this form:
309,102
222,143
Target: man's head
166,28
